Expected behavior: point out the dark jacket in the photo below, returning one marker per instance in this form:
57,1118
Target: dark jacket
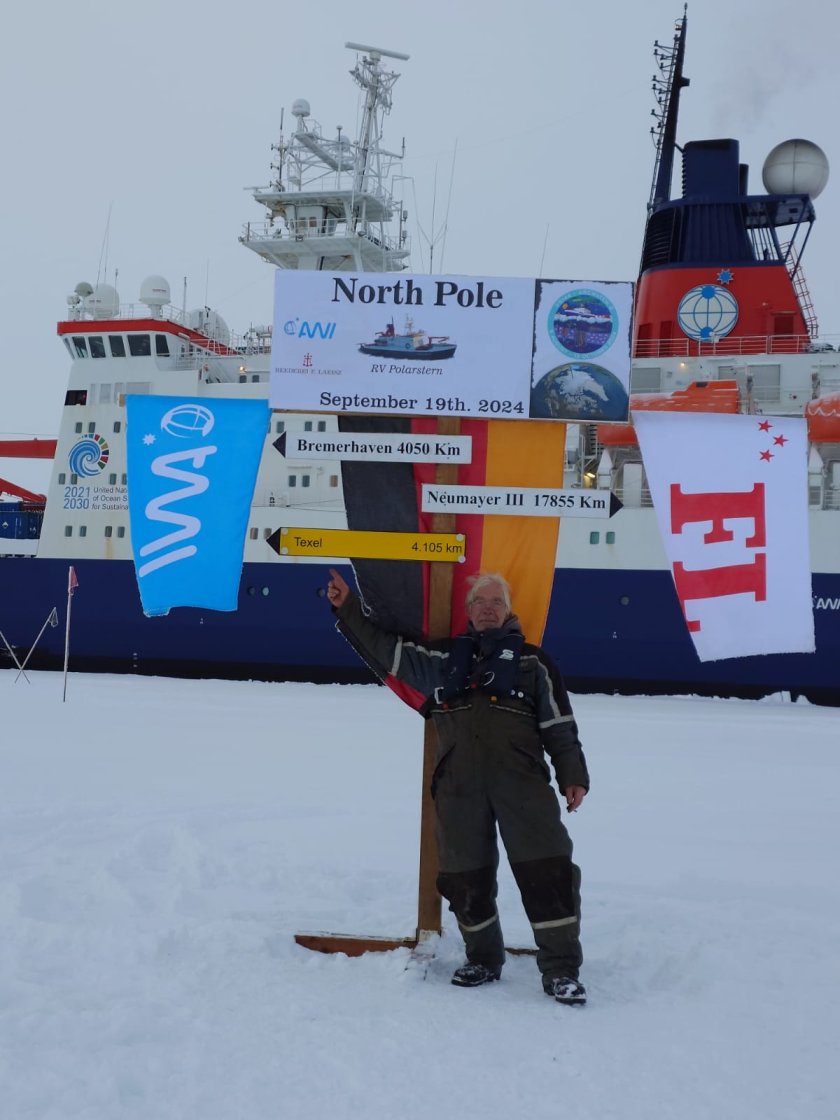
531,717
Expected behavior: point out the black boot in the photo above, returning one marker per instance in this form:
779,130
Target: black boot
471,974
565,989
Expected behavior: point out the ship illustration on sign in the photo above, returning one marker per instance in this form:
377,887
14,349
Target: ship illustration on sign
411,344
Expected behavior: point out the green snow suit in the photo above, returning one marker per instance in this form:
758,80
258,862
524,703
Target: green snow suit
490,770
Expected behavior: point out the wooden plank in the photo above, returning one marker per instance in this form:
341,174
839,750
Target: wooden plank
350,945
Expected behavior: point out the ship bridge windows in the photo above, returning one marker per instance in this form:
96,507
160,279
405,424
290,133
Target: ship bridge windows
117,344
97,346
75,396
140,345
161,346
80,346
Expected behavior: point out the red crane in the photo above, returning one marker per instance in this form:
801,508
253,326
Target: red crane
25,449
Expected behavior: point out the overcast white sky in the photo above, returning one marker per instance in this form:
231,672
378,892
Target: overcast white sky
161,113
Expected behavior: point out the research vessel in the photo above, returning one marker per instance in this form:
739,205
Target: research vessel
723,322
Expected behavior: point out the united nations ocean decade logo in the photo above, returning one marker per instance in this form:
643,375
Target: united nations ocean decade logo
582,324
707,312
88,457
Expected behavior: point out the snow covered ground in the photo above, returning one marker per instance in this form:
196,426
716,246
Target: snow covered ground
162,841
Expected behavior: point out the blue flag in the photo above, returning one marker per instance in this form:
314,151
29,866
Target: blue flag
192,466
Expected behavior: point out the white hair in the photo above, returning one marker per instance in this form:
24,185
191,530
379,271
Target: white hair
477,582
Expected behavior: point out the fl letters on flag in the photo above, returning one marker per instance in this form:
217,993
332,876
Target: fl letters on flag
731,501
192,466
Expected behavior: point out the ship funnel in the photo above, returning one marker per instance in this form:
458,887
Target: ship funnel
796,167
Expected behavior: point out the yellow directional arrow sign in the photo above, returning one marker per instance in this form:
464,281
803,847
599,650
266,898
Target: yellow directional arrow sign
369,545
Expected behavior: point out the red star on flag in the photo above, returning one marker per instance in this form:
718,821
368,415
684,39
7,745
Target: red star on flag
765,426
766,456
780,440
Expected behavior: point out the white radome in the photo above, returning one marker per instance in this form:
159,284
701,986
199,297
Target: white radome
796,167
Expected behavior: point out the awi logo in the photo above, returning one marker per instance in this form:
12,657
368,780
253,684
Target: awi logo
305,329
191,475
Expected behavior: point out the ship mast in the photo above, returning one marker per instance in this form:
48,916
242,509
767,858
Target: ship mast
330,204
667,86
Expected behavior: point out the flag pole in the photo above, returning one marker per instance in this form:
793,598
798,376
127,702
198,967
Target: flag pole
71,583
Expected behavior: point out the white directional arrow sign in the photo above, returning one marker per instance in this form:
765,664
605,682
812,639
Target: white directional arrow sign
519,501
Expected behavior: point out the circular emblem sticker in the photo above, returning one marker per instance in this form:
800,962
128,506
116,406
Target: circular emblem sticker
707,312
582,324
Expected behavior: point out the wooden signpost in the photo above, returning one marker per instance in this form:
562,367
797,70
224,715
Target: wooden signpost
440,617
444,500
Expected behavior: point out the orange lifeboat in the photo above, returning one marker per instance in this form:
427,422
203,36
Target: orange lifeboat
823,416
699,396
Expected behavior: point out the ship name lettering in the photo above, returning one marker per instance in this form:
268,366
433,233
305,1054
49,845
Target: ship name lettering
444,498
403,292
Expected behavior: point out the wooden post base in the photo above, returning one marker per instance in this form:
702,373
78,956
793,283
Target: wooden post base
354,946
351,945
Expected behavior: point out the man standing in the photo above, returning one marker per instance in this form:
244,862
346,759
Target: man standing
499,706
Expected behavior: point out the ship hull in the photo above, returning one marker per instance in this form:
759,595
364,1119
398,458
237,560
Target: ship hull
609,631
421,354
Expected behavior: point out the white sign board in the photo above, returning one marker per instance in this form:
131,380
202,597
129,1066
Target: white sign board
518,501
451,345
375,447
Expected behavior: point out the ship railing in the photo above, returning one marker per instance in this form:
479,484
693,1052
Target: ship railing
220,342
301,229
725,347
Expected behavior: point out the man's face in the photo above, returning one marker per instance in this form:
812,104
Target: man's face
487,611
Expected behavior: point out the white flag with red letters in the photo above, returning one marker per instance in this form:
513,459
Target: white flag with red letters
731,499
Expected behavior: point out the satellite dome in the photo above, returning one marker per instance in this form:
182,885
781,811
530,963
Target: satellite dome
83,289
300,108
795,167
103,302
154,292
